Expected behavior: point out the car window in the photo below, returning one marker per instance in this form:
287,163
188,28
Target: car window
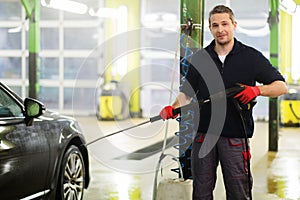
8,107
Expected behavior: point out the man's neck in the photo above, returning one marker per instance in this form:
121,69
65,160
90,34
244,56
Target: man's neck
224,49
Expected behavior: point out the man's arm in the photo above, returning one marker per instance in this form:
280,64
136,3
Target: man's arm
274,89
181,100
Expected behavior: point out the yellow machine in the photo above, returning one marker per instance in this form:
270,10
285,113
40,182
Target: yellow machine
112,103
290,110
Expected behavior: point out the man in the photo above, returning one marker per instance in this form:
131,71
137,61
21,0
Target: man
237,64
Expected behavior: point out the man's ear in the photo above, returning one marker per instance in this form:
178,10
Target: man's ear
234,24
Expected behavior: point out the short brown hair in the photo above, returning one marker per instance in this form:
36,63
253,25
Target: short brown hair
221,9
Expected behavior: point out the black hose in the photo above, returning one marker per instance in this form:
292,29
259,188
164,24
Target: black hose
246,146
114,133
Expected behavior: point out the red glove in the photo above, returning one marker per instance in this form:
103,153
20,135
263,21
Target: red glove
249,93
167,113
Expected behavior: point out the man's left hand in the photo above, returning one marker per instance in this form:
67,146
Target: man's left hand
249,93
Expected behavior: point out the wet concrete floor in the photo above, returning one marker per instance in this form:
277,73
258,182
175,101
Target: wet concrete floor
123,166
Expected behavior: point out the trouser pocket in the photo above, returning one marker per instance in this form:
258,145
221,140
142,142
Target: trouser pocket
240,143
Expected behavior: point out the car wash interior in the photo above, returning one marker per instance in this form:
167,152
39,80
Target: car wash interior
113,65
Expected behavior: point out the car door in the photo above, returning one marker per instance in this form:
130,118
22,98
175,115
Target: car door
24,151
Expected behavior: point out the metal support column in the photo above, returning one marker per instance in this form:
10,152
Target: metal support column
32,8
193,9
274,49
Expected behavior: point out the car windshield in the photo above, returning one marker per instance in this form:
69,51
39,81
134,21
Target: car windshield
8,107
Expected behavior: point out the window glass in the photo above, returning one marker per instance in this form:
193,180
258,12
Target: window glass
10,10
71,67
17,90
68,95
82,99
49,68
165,41
162,70
49,96
8,107
74,16
153,97
10,67
49,13
80,68
49,38
10,40
80,38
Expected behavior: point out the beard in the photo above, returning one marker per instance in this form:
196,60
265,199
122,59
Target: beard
223,42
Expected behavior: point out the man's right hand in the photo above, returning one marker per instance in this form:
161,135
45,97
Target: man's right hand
167,113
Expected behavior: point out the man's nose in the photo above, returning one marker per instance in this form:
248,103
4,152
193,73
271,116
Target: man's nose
220,29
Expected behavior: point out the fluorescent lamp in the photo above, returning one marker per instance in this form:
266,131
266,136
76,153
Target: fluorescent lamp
15,29
19,28
104,12
66,5
288,6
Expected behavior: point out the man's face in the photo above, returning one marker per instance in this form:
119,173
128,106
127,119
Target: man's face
222,28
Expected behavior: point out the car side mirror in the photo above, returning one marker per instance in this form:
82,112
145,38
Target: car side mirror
33,109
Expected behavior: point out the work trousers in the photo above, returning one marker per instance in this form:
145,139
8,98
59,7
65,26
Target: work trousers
231,153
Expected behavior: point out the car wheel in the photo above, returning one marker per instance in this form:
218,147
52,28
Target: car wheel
72,175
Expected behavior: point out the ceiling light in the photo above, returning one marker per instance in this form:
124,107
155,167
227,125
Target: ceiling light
103,12
288,6
66,5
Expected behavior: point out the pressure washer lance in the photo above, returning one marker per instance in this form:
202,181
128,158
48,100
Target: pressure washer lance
229,93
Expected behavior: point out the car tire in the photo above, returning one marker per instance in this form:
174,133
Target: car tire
71,180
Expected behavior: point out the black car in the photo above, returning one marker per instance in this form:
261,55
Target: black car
43,155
